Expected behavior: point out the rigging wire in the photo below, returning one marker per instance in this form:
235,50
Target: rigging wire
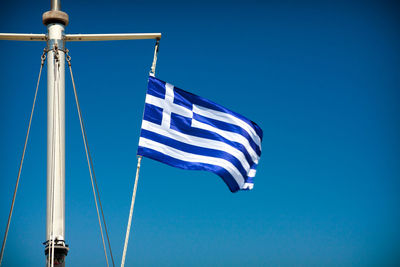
91,169
43,59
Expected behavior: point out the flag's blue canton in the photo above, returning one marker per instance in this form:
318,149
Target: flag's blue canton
190,132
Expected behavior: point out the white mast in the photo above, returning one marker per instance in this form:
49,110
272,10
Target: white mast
55,20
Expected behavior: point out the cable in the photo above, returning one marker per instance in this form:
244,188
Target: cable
43,59
91,169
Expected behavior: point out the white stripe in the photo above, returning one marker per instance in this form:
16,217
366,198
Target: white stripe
251,173
231,136
198,141
189,157
248,186
226,117
159,102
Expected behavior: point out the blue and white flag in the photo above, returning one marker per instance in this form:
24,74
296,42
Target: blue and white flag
190,132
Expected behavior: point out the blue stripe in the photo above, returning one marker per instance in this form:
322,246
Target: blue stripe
183,125
152,113
156,87
180,100
194,149
229,127
221,172
258,130
250,180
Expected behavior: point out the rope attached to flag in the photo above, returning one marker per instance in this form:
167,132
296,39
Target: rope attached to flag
153,66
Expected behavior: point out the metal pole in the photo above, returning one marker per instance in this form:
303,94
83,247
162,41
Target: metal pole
55,249
23,37
55,5
111,36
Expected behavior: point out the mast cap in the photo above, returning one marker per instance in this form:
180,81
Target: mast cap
55,16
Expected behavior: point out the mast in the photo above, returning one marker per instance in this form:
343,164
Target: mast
55,246
55,20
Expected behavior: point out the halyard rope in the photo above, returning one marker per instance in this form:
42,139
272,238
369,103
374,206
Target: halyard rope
153,66
56,62
91,169
43,59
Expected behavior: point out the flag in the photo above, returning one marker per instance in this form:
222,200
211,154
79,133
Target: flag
189,132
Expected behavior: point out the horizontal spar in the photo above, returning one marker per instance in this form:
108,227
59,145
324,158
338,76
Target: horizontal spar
23,37
111,36
81,37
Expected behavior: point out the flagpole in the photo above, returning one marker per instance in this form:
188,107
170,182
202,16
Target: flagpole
128,228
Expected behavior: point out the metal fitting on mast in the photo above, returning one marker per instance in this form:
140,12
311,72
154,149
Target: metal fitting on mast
60,251
55,16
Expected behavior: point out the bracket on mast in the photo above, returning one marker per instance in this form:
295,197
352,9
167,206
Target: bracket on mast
60,251
59,43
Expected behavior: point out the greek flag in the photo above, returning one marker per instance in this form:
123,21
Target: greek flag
189,132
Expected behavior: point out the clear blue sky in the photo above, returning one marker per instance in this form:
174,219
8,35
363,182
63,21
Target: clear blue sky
321,78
